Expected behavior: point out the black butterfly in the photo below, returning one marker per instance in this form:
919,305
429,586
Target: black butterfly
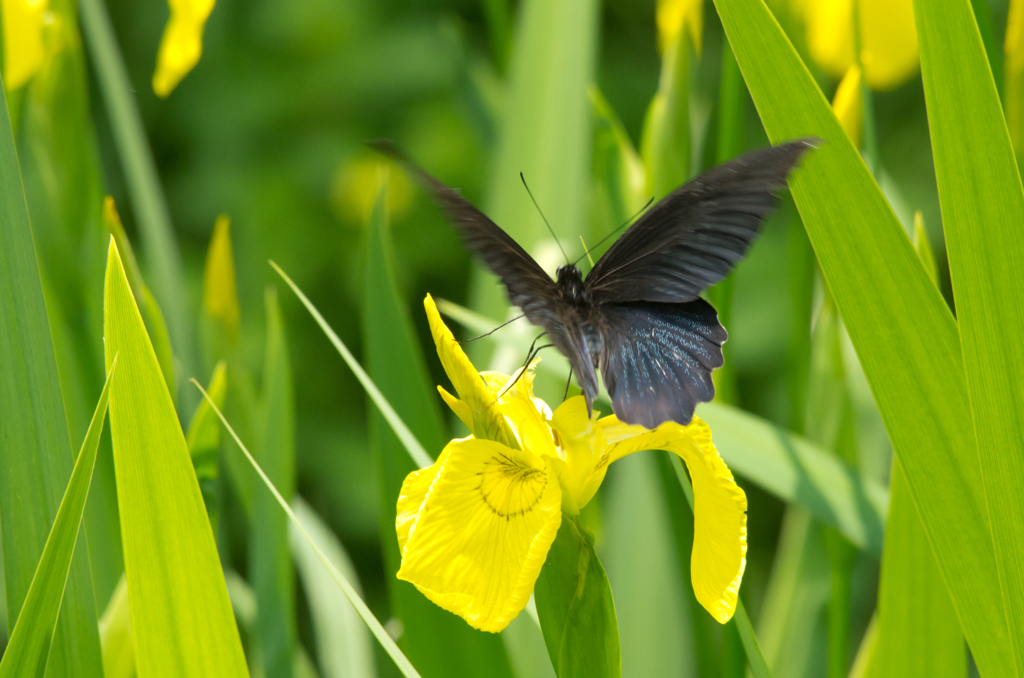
638,316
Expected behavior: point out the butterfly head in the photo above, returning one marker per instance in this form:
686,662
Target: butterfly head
570,284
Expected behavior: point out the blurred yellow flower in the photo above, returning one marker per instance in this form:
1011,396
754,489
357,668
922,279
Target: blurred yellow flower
672,15
220,294
24,50
182,43
1013,91
848,105
474,529
357,182
888,39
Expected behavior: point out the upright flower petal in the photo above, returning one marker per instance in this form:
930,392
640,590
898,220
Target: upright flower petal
485,420
475,529
23,40
848,105
720,521
182,43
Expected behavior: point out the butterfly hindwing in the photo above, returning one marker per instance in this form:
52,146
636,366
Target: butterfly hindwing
696,234
656,359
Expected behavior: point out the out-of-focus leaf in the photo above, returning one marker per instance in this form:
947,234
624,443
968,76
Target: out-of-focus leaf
270,561
545,134
116,635
342,641
35,458
904,334
619,174
181,616
1013,89
576,610
150,207
918,632
924,248
982,200
220,292
203,438
29,645
437,642
364,612
789,466
666,139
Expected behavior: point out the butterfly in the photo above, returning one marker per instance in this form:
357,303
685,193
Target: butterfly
638,316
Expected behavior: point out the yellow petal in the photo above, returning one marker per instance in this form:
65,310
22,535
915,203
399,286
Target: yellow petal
487,420
582,444
23,40
720,520
220,294
483,522
889,53
673,15
848,105
182,43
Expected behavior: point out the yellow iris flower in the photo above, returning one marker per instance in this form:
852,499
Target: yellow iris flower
888,39
474,529
24,48
182,43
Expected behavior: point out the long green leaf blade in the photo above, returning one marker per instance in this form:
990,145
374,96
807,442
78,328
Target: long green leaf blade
438,642
29,646
982,212
904,334
364,612
35,458
181,616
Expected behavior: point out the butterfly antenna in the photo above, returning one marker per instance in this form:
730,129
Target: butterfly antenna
551,230
487,334
624,224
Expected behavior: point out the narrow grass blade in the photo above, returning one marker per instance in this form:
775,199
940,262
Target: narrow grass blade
35,458
343,643
918,632
545,134
905,336
181,616
364,612
116,635
151,211
438,642
789,466
576,610
270,561
412,446
982,208
29,645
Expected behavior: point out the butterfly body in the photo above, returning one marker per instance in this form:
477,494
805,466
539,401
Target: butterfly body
637,316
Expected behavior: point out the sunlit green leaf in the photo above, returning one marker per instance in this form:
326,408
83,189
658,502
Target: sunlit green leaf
982,203
116,635
182,623
29,645
203,438
904,334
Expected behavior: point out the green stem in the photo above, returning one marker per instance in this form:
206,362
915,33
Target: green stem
870,131
147,198
839,618
755,658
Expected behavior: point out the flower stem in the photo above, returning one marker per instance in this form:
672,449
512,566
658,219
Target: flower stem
755,658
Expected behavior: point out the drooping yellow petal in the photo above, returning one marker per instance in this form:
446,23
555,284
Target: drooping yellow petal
487,422
220,292
848,104
720,521
889,53
23,40
475,529
673,15
182,43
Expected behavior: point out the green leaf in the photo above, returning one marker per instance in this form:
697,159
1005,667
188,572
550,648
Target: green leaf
269,559
182,623
151,212
545,134
982,207
903,332
575,606
666,138
29,645
36,461
203,439
343,644
918,632
116,635
438,642
364,612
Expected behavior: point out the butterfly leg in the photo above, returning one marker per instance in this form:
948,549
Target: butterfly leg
568,381
531,354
